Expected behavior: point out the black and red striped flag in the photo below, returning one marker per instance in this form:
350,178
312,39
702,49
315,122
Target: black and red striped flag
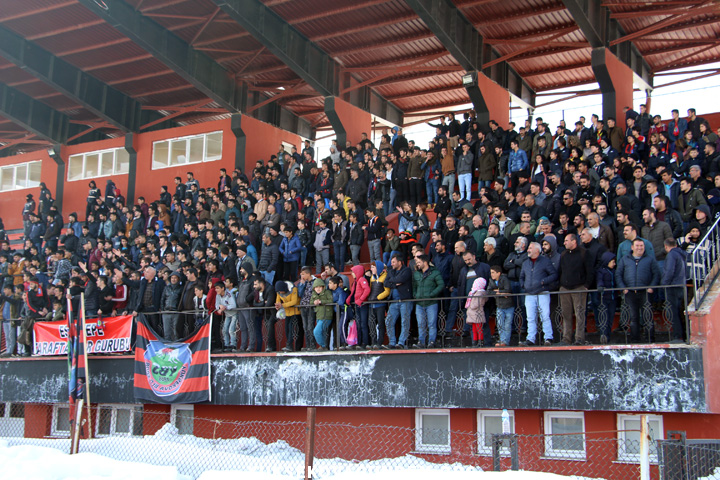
172,372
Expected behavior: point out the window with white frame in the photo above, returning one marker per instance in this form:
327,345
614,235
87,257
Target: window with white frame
182,416
19,176
100,163
118,420
12,419
60,420
565,435
629,437
206,147
432,430
490,422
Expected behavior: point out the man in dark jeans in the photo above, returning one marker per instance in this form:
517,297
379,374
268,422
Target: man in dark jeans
674,274
635,272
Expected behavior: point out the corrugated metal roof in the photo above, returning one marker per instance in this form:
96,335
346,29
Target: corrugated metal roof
373,35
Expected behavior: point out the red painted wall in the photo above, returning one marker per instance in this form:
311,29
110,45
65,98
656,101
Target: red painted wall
706,334
12,202
622,78
75,194
263,140
497,100
148,181
355,120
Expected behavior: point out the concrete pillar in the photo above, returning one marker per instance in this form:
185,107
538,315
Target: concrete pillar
490,100
132,167
240,140
347,121
616,83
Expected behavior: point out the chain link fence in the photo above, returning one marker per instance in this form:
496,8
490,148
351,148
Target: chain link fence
158,435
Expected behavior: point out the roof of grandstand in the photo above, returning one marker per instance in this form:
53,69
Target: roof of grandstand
384,45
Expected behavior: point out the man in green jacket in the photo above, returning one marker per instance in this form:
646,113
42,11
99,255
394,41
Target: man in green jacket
427,286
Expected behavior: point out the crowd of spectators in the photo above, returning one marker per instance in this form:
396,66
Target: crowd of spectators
609,204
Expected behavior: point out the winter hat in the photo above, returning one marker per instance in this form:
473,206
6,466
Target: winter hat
705,209
281,287
380,266
714,196
248,267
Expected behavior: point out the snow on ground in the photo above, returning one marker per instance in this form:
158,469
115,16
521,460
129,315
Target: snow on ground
185,457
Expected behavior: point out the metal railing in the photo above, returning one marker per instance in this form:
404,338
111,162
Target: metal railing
703,267
611,316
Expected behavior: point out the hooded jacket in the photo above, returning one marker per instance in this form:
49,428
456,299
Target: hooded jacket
289,299
324,311
245,285
360,290
378,290
476,302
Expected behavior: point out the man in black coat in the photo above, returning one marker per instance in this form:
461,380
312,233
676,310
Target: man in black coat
576,274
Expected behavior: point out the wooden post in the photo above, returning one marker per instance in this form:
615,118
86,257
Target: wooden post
309,442
83,337
644,448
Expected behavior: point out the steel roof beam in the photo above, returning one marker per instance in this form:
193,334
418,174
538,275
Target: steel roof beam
459,36
594,20
197,68
108,103
304,57
37,117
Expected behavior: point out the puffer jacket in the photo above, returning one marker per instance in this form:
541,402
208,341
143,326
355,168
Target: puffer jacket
537,276
360,290
637,272
290,249
289,302
324,311
378,290
427,285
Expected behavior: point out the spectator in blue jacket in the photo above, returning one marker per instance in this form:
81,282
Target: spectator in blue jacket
536,276
673,273
290,248
517,163
635,272
399,281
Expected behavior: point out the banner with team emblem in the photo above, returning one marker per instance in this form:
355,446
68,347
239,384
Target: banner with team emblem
172,372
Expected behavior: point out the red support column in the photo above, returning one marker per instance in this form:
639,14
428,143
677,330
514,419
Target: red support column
616,83
347,121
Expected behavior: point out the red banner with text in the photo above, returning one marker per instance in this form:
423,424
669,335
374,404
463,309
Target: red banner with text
107,335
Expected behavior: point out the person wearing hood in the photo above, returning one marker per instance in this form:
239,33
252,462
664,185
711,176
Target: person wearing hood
245,314
428,284
703,219
322,299
475,305
605,279
263,296
636,271
359,294
674,273
169,303
378,292
287,301
27,210
109,193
